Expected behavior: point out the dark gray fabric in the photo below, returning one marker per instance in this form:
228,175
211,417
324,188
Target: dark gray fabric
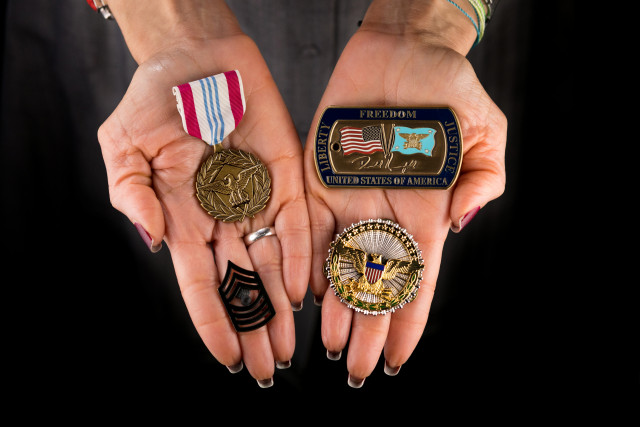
95,311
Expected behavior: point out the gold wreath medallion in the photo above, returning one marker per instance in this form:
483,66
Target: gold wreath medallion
375,266
232,185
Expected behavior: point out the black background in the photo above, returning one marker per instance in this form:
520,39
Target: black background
528,322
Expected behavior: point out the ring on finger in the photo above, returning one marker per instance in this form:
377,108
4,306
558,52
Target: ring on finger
259,234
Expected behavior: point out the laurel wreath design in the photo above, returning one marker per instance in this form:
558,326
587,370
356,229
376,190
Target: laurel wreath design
211,201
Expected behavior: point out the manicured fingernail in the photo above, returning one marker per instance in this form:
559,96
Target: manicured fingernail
296,306
146,237
234,369
390,370
355,382
283,365
317,301
466,218
334,355
265,383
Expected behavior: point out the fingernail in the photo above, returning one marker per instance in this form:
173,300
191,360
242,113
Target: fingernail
296,306
355,382
234,369
283,365
466,218
334,355
391,371
265,383
317,301
146,237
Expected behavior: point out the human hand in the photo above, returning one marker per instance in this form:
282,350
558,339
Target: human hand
151,166
411,56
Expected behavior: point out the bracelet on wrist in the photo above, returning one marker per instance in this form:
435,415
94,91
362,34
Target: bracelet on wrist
481,16
102,7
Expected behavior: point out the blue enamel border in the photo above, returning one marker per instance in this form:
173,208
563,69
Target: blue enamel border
453,140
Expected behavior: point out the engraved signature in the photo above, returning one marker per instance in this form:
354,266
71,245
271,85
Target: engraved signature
364,162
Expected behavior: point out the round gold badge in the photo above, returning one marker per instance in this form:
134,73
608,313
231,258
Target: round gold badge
232,185
375,266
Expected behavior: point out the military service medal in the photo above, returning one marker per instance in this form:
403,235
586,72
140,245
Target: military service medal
375,267
231,184
388,147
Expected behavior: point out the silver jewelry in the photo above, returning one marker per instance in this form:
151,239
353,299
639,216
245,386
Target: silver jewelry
259,234
100,6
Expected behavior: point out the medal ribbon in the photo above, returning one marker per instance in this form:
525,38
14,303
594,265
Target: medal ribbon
212,107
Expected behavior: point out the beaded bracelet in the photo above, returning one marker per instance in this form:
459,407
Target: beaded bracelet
491,7
100,6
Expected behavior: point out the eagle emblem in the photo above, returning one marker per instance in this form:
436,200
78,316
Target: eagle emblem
413,140
374,266
232,185
374,269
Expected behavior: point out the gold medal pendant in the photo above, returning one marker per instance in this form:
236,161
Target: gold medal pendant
232,185
375,267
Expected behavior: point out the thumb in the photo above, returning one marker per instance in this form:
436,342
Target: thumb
130,186
482,175
473,191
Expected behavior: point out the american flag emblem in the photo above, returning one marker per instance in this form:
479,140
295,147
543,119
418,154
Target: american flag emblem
366,140
373,271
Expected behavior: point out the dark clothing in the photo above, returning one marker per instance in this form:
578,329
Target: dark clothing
104,313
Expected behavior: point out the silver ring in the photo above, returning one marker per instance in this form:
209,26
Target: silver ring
256,235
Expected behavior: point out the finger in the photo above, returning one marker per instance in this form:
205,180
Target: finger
322,225
266,257
335,325
408,324
129,178
267,118
257,355
199,281
292,229
482,175
368,335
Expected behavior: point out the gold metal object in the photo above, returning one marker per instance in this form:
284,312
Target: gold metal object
232,185
388,147
375,266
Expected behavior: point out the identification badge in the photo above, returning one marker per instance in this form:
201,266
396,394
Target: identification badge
388,147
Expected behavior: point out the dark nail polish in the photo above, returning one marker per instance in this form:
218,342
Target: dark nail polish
355,382
464,221
146,237
234,369
265,383
334,355
296,306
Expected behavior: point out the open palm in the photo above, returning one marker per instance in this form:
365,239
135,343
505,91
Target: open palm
151,165
383,69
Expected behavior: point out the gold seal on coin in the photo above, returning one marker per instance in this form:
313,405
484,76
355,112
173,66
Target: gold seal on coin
232,185
375,266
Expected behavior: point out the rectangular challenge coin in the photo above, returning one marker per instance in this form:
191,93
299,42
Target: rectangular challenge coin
388,147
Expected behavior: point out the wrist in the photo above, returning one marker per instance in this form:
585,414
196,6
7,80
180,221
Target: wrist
150,27
433,22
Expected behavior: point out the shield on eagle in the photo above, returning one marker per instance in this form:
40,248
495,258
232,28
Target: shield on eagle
373,271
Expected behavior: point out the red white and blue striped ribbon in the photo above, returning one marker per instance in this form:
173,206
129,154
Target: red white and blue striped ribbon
212,107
